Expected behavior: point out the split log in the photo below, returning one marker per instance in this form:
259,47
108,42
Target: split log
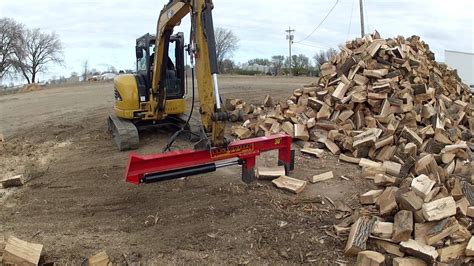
411,136
422,185
13,181
470,247
408,261
348,159
386,201
451,252
332,146
392,168
410,201
19,252
402,226
370,197
383,229
322,177
419,250
370,257
357,240
266,173
441,230
439,209
290,184
99,259
316,152
301,132
389,247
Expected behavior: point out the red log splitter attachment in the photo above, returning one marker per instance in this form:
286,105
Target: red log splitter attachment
176,164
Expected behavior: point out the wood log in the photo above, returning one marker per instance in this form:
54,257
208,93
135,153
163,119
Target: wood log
290,184
288,128
467,191
369,257
441,230
389,247
383,229
419,250
392,168
470,247
241,132
332,146
322,177
386,201
470,212
301,132
266,173
357,240
410,201
376,73
422,185
19,252
370,197
368,163
408,261
268,101
99,259
13,181
452,252
316,152
371,172
348,159
384,142
411,136
385,180
439,209
402,226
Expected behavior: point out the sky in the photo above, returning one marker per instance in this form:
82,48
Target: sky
104,32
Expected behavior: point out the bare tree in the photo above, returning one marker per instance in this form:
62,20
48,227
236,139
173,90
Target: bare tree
11,37
38,51
323,56
226,44
277,63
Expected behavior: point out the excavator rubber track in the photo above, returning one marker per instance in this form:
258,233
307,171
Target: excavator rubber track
124,133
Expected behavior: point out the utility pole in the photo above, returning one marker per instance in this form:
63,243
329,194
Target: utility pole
362,31
290,38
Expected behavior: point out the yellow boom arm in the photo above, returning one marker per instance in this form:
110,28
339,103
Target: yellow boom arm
203,51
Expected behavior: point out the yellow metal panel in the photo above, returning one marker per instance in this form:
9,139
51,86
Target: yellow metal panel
173,107
126,85
125,114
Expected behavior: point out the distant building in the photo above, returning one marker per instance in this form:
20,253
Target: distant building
464,64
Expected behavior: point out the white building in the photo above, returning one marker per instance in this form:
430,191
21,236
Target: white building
464,63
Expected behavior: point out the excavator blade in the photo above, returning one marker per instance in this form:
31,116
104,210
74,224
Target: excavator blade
124,133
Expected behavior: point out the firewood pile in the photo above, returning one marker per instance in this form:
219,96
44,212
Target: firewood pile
407,120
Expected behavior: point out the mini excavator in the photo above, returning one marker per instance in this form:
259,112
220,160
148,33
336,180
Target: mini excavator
155,96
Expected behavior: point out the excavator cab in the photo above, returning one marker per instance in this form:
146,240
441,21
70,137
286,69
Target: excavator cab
173,61
135,100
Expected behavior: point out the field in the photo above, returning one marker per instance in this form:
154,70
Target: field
78,204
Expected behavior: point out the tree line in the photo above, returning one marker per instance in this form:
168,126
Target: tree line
301,65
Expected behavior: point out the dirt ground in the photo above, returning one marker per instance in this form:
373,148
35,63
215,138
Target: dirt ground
76,202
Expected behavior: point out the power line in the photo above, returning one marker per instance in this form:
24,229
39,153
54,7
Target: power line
311,45
320,23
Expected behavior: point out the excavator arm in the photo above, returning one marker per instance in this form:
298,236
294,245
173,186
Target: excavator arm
202,50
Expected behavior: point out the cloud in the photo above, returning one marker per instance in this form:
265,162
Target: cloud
104,32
